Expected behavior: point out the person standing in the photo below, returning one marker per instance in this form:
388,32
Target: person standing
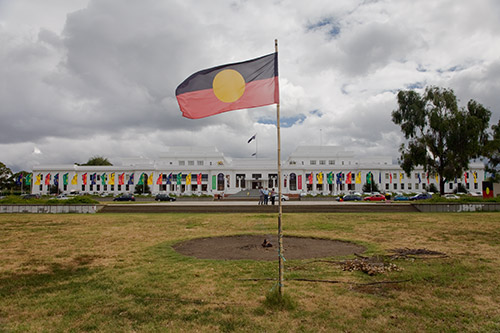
273,196
266,196
261,196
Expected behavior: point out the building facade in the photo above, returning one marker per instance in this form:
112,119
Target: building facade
205,170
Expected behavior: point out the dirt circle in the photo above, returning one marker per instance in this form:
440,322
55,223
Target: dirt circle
249,247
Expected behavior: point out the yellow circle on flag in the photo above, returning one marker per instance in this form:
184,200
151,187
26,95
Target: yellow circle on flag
228,85
487,191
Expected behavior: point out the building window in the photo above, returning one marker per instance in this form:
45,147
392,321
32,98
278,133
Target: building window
402,186
200,163
312,162
190,162
256,176
220,182
387,186
395,186
112,187
416,186
342,162
293,163
416,175
182,162
119,187
451,186
331,162
409,186
386,175
293,182
475,186
322,162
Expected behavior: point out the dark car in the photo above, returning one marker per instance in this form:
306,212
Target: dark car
376,197
125,197
350,197
31,196
164,197
421,196
401,197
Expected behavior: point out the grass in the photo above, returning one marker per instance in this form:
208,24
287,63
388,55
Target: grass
118,272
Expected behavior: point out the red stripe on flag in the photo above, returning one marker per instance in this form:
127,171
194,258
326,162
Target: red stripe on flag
204,103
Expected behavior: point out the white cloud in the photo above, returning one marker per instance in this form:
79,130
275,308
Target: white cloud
84,78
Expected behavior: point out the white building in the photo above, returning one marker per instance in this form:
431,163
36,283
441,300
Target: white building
205,170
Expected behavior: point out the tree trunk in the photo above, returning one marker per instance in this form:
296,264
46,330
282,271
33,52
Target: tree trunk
441,185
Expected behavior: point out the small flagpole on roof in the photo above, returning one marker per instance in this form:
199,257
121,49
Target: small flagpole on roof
280,211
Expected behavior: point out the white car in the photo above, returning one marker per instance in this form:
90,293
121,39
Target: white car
284,197
62,196
451,196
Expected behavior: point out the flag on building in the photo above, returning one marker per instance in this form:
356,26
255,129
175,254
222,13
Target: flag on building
299,181
169,179
38,179
437,178
349,178
19,179
252,138
241,85
112,179
104,179
28,179
380,178
358,178
465,177
150,179
47,179
65,179
329,178
141,179
160,179
319,178
84,179
93,178
474,174
74,180
179,178
131,180
390,178
121,179
369,177
310,178
400,177
420,179
188,179
198,179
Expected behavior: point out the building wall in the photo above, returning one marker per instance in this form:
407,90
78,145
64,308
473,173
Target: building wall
304,171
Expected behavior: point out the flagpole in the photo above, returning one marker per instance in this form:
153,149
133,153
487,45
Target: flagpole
280,211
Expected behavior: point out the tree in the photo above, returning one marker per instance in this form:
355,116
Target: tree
5,177
98,160
440,136
492,152
370,187
142,189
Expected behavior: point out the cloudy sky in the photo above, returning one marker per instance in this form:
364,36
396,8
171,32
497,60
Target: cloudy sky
80,78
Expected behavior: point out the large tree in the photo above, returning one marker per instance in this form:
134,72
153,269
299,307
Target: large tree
440,136
5,177
492,153
98,160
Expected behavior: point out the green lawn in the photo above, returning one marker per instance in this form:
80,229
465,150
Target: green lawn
112,273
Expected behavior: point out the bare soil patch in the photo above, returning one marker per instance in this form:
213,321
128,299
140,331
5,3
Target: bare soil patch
249,247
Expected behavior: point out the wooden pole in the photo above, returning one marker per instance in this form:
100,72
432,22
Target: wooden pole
280,211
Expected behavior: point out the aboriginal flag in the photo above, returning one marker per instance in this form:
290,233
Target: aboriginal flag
241,85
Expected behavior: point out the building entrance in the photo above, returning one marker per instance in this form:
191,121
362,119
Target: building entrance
256,184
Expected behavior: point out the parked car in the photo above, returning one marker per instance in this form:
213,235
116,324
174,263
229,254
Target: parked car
31,196
62,196
421,196
376,197
164,197
284,197
125,197
350,197
401,197
451,196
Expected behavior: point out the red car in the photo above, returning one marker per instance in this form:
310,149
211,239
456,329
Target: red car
376,197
